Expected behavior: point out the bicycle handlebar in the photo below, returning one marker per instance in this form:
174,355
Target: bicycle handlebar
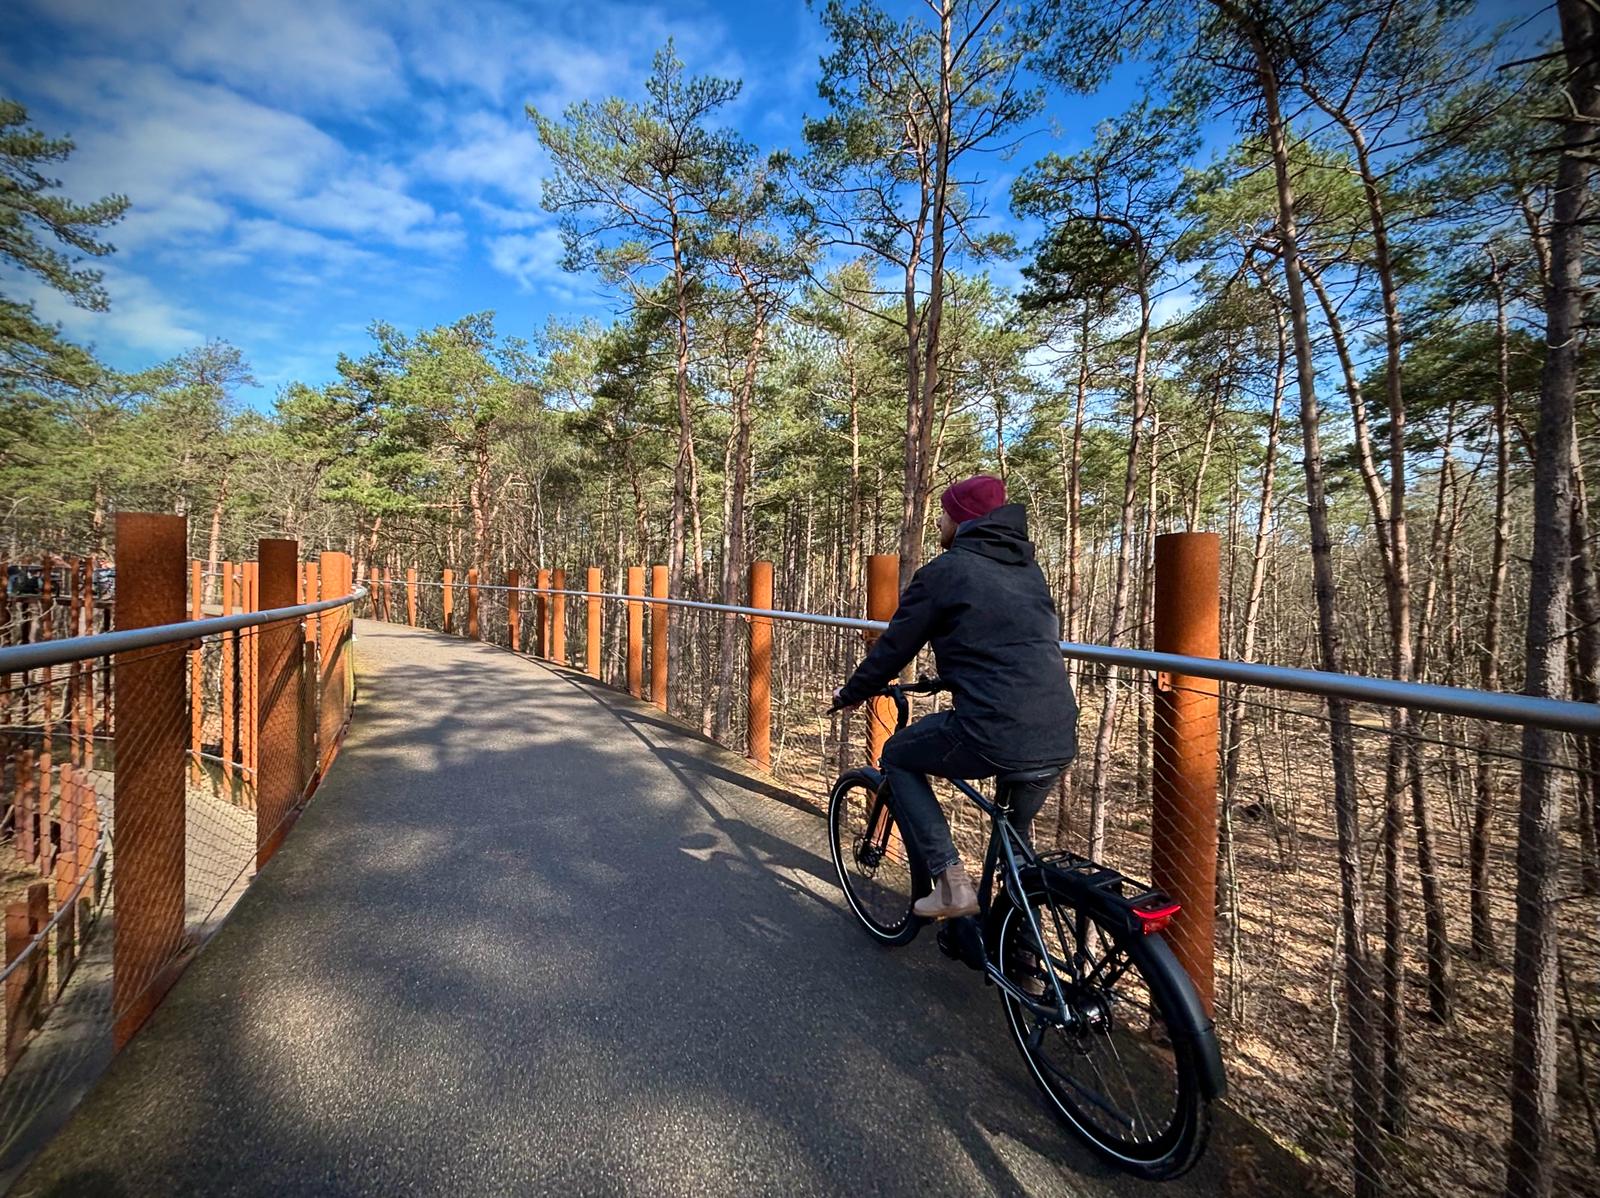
899,690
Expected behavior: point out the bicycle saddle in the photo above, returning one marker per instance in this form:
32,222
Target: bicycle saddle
1029,777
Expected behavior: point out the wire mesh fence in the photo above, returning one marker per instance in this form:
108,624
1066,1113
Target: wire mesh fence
142,788
1387,1065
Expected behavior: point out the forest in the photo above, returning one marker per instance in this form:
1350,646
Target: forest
1322,289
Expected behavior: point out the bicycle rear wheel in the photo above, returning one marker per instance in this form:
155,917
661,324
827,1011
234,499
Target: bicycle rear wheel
879,874
1124,1072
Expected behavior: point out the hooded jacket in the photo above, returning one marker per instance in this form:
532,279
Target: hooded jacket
985,608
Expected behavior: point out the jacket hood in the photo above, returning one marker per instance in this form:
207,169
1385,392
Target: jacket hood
1002,535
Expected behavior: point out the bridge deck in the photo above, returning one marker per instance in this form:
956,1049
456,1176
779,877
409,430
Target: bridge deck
531,937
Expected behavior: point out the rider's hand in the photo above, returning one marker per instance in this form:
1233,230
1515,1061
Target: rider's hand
838,706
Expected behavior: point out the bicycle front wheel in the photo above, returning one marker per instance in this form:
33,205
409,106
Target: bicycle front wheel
879,874
1124,1070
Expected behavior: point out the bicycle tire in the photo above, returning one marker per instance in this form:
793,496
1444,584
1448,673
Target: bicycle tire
883,907
1173,1149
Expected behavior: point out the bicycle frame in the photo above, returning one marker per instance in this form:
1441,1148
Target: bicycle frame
1006,843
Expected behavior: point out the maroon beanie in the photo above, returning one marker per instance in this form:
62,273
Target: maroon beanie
972,498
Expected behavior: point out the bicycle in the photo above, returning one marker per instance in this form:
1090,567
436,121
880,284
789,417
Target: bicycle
1114,1010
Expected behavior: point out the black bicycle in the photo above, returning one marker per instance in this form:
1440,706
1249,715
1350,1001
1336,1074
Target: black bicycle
1108,1022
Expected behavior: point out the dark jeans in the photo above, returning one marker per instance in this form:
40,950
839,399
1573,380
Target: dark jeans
934,746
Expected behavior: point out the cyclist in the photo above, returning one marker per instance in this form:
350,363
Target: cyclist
985,608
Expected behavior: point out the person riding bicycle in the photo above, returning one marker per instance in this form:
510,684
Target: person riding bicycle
984,606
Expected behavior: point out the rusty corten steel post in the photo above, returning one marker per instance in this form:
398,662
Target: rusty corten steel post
541,627
329,716
514,609
591,646
472,604
249,717
197,675
411,596
658,638
25,987
39,840
1183,833
558,617
230,654
636,633
278,685
449,594
148,881
759,712
311,588
883,597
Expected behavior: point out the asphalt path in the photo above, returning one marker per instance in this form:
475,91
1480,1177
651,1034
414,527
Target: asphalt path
532,937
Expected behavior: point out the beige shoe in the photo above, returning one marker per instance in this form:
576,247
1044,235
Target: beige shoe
952,896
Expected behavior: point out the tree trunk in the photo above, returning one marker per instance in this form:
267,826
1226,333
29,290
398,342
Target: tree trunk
734,560
1258,560
1586,671
1119,597
1483,945
1531,1155
1367,1155
1074,546
214,548
925,380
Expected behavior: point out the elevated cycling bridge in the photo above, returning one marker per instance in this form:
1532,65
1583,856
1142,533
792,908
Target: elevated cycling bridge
435,901
535,937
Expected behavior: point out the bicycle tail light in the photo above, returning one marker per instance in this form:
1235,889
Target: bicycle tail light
1155,913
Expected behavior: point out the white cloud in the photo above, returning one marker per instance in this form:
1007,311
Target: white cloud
140,316
510,218
305,53
558,53
484,149
1172,306
192,155
376,205
529,258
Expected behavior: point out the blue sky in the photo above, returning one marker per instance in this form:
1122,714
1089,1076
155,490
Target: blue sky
301,167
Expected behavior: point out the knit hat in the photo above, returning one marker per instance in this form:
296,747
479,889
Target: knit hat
972,498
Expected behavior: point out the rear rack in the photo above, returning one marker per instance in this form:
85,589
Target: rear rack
1118,900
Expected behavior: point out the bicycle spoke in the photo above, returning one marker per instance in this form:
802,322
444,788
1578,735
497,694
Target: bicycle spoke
1085,1093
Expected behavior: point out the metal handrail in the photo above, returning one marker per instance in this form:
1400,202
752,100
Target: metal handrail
1562,715
17,658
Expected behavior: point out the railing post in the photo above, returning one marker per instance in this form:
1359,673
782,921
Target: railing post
448,591
411,596
472,604
883,597
25,988
335,573
541,631
148,783
759,712
591,644
1183,831
278,684
658,638
309,681
514,609
635,633
247,671
558,617
197,674
226,683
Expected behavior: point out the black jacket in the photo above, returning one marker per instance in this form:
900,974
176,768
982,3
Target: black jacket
984,606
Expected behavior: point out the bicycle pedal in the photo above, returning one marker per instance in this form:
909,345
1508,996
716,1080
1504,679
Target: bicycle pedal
960,939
